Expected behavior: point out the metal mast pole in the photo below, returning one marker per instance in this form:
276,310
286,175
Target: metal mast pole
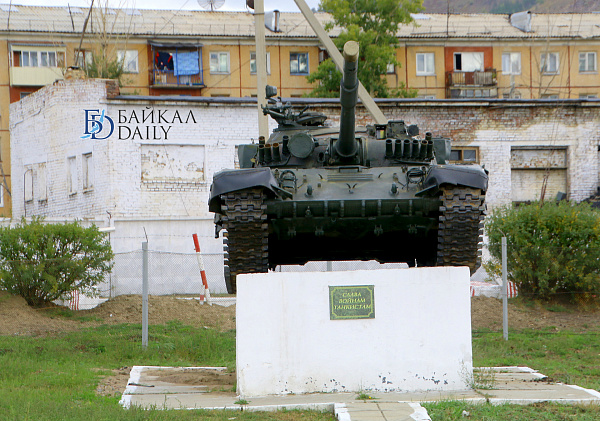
261,66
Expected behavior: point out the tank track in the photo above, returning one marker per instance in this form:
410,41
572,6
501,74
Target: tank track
461,227
246,243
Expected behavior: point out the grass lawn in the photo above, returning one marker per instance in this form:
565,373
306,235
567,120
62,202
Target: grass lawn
55,377
564,356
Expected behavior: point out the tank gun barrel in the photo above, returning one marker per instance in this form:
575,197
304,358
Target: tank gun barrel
346,146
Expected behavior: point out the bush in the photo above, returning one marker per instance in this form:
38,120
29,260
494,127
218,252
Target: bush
44,262
553,248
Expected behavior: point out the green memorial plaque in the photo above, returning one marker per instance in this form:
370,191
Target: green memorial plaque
351,302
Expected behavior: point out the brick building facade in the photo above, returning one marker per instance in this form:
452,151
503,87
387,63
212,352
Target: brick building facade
154,168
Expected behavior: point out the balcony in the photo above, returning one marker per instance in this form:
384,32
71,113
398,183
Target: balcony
177,65
34,76
482,84
168,79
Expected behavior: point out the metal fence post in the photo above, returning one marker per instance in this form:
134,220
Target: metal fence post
145,294
504,291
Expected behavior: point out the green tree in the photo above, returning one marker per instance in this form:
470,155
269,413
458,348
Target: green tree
104,34
552,248
373,24
44,262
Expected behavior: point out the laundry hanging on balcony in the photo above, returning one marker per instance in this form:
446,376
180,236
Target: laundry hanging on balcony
163,61
186,63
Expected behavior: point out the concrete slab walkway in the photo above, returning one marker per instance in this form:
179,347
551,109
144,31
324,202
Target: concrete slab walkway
514,385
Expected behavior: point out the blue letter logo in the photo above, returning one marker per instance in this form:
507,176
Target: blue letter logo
95,125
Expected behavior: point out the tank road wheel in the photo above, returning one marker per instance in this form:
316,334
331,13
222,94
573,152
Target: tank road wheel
246,242
461,227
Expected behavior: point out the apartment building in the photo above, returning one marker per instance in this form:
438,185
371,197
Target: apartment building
189,53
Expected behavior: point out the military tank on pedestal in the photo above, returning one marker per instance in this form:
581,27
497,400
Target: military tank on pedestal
312,192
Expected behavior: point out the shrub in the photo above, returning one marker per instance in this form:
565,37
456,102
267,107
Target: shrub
553,248
44,262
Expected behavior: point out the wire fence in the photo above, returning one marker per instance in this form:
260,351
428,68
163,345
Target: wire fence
169,273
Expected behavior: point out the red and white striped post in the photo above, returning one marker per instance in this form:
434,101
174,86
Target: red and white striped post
204,292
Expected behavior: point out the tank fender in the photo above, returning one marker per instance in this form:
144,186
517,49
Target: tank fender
472,176
227,181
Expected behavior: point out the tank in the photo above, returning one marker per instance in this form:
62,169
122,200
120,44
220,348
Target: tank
312,192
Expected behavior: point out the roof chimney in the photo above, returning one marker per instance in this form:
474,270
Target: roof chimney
272,21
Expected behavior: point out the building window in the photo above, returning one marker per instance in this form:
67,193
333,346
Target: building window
2,195
588,96
42,191
28,184
129,60
537,171
425,64
511,63
219,62
87,173
83,59
587,62
549,63
253,63
24,94
299,63
72,175
549,96
391,68
464,155
40,58
468,62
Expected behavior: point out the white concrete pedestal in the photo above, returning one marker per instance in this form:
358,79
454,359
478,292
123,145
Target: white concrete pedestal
419,339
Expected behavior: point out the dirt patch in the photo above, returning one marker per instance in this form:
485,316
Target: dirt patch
215,381
17,318
114,384
163,309
486,313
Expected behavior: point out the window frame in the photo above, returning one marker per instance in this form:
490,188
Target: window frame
42,182
28,184
84,58
587,54
72,176
217,71
425,71
461,150
510,55
253,60
122,57
543,63
297,58
35,54
87,171
480,53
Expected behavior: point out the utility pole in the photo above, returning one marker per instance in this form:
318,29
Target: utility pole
261,66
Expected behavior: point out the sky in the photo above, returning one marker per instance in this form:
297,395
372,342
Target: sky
230,5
